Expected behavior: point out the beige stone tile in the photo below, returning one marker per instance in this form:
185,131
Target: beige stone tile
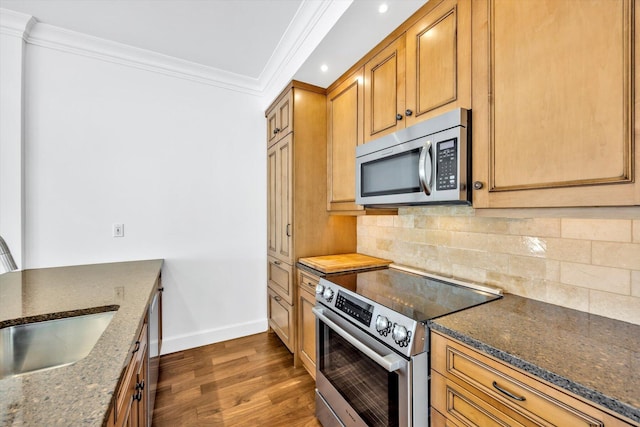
384,244
429,222
636,230
622,255
607,279
517,245
367,220
611,230
480,259
404,221
535,289
567,296
385,220
552,271
635,283
621,307
468,273
568,250
529,267
537,227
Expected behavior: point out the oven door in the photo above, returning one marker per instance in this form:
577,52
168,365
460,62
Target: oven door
360,381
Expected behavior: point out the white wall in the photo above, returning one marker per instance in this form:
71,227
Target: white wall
180,163
13,27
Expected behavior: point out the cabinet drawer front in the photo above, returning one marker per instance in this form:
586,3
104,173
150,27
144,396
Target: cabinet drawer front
280,279
497,381
281,318
461,405
308,282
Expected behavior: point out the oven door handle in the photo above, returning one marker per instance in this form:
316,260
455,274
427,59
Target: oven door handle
391,362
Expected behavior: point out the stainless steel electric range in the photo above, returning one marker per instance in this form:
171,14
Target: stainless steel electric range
372,347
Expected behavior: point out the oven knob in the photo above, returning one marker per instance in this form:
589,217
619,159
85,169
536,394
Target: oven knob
328,294
383,325
319,289
399,333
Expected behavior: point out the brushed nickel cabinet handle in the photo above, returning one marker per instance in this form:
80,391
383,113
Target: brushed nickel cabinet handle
288,230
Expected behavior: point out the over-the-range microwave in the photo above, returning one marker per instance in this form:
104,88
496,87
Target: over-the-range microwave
427,163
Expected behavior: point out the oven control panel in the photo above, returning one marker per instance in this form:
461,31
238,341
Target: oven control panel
356,309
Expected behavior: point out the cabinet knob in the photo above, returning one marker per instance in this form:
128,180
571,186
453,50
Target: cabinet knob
276,130
277,298
478,185
399,116
408,113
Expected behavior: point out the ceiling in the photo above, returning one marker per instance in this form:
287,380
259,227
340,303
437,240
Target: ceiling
233,36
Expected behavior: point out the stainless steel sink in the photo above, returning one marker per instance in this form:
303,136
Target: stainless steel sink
49,344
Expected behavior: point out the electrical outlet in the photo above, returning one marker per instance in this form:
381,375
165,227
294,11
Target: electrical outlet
118,230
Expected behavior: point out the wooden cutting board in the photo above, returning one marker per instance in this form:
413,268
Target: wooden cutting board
343,262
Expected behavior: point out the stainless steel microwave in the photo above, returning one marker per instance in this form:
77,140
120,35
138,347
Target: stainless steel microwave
427,163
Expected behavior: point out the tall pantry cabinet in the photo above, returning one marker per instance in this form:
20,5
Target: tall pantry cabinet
298,224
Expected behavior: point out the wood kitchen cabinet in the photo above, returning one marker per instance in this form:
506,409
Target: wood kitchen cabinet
554,103
423,72
130,405
384,91
280,201
279,119
471,388
345,117
306,351
345,103
298,223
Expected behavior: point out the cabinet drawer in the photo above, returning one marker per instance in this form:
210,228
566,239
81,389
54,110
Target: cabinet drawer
281,318
280,278
517,394
463,406
308,281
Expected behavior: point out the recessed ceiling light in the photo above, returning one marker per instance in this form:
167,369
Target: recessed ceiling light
383,8
324,68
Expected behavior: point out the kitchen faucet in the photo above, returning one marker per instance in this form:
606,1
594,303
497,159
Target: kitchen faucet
6,260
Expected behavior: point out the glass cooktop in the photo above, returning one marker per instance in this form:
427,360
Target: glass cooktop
418,297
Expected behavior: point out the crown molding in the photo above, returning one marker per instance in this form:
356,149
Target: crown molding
16,24
53,37
310,24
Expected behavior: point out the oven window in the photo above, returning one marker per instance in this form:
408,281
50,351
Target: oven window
370,390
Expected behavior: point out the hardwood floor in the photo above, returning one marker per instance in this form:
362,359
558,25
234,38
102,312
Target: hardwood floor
248,381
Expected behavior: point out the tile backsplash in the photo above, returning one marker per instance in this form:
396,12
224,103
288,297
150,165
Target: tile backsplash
587,262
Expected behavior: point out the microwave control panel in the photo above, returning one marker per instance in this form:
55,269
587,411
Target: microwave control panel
447,167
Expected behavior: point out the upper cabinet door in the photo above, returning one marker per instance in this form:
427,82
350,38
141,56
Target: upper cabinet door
553,103
384,91
438,71
279,119
344,133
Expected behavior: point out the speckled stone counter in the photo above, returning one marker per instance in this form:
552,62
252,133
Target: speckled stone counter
591,356
78,394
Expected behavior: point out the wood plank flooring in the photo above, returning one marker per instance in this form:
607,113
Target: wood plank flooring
248,381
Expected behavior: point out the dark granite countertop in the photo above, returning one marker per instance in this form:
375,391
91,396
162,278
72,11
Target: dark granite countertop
591,356
81,393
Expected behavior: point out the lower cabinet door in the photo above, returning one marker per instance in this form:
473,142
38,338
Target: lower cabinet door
281,318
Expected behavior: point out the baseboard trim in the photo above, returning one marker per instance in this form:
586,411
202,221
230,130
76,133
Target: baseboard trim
210,336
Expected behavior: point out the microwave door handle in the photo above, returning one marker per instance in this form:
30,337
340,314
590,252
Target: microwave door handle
422,168
391,362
